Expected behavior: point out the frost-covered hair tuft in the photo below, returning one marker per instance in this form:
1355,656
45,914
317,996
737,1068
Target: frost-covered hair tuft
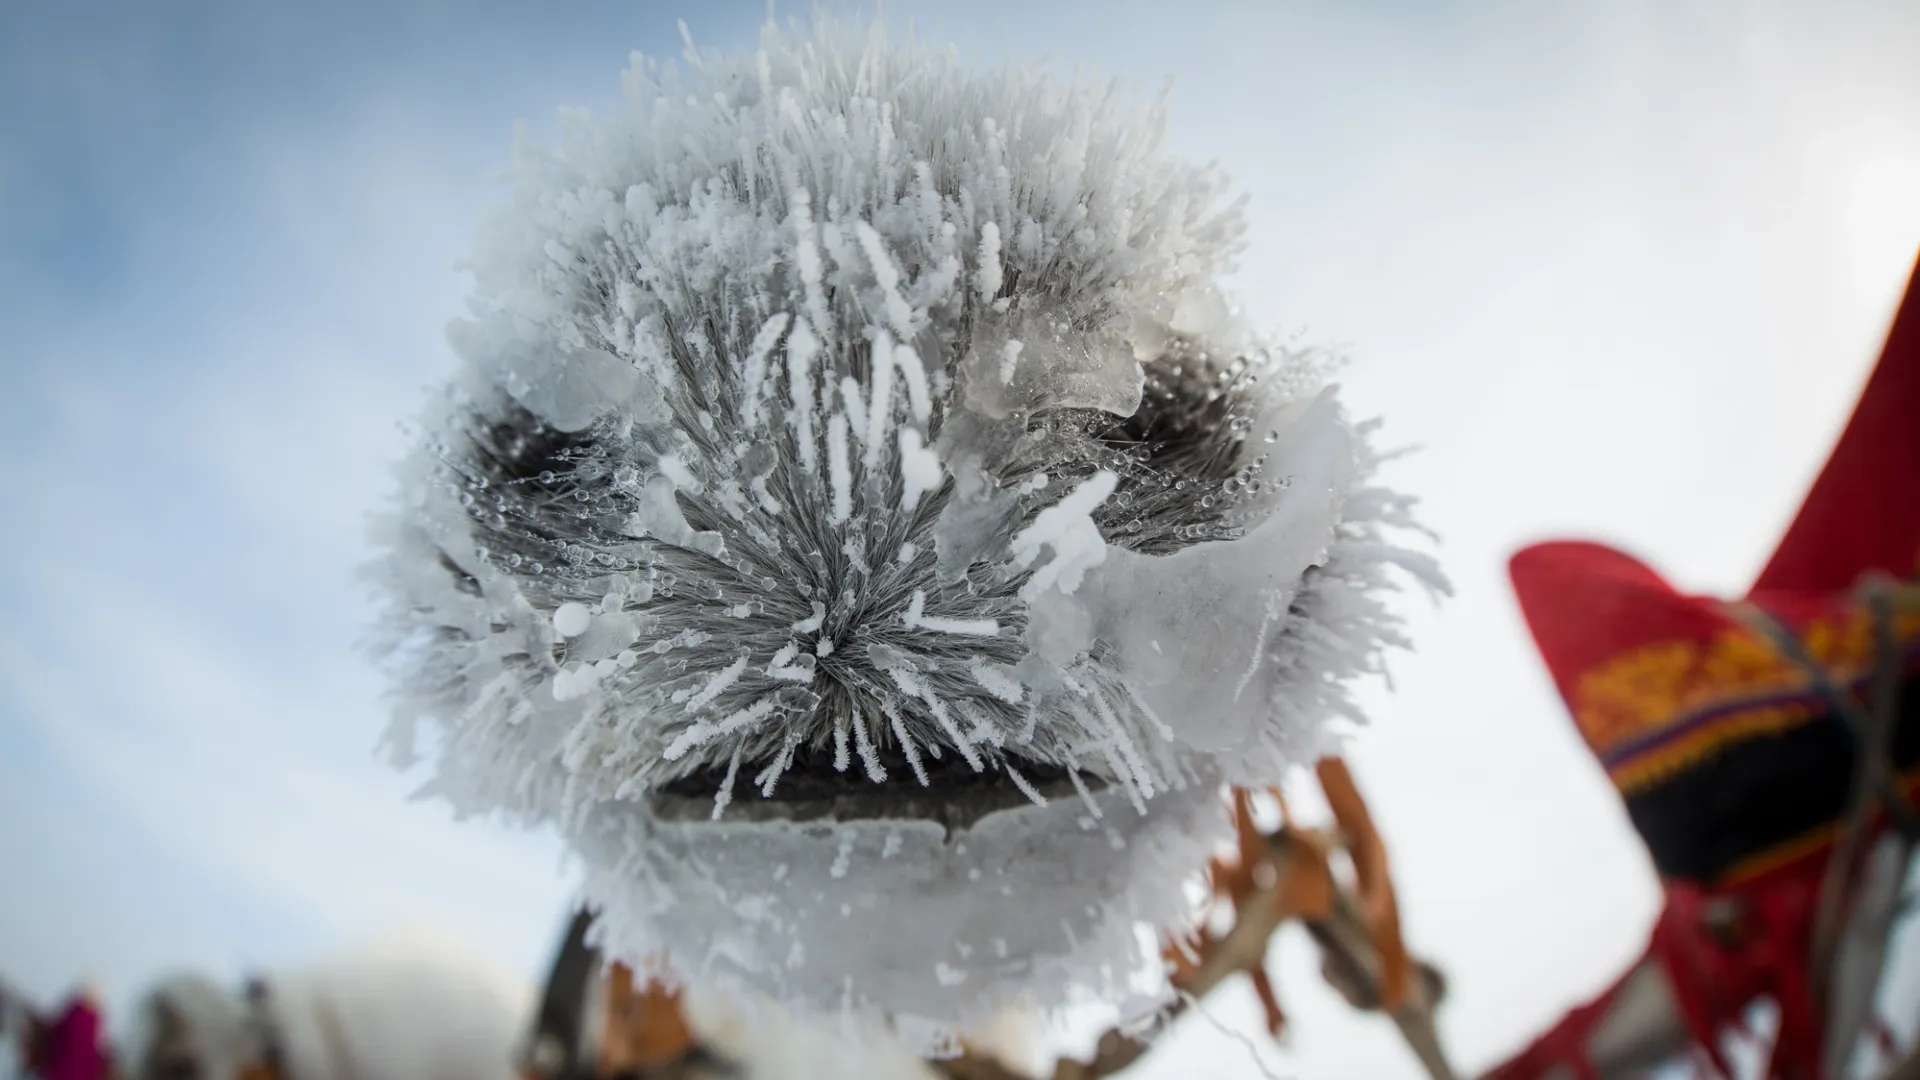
862,524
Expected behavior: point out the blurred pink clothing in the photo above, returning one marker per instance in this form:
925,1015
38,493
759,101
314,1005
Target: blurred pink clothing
69,1048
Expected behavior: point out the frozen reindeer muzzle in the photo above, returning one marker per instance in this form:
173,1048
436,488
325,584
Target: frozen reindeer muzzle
860,523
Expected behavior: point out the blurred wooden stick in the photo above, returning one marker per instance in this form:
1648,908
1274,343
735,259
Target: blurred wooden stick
643,1027
1274,877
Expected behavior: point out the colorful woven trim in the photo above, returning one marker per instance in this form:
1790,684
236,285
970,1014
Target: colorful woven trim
1659,708
1786,853
1693,739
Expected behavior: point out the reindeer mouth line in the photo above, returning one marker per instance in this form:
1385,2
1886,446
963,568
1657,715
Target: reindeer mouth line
812,789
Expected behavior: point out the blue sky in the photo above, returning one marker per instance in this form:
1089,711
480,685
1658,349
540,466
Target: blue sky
1618,269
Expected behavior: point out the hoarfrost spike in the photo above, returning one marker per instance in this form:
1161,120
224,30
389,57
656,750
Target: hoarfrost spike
834,401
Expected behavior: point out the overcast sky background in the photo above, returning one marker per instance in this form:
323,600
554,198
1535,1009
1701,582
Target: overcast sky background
1618,268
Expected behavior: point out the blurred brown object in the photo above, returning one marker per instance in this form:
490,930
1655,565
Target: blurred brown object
1379,909
599,1021
1271,878
644,1027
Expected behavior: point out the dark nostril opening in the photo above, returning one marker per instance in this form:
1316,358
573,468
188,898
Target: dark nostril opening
462,580
513,446
512,469
811,776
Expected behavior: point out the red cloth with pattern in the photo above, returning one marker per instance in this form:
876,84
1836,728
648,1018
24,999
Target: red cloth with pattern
1586,603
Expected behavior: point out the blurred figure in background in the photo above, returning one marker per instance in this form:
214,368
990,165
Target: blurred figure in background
407,1006
69,1046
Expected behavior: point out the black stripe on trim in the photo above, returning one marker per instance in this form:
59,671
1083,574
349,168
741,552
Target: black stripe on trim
1758,793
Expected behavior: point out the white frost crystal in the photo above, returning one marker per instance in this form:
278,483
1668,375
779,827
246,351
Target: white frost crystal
862,527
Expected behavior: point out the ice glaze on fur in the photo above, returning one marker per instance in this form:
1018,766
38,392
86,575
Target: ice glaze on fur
863,526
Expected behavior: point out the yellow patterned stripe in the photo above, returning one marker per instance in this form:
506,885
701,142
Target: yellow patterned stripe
1661,763
1659,686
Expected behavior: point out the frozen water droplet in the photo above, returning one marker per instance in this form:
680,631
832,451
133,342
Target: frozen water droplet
571,619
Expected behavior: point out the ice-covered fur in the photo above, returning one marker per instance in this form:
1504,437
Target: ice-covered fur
404,1008
863,526
895,917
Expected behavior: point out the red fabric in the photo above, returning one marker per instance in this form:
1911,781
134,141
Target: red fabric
70,1048
1564,1044
1713,981
1585,603
1863,512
